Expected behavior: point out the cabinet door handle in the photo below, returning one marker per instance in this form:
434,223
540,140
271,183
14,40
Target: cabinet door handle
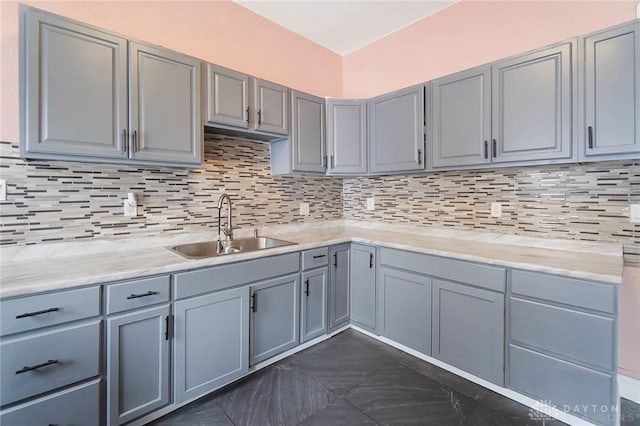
134,137
495,148
35,367
419,157
259,117
590,132
247,119
125,142
253,302
319,256
33,314
306,290
370,260
335,260
486,149
136,296
166,327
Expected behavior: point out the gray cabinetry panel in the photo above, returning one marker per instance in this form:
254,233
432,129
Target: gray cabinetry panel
313,306
61,357
137,364
211,342
227,97
396,131
461,108
533,105
564,332
315,258
363,286
274,317
468,329
308,133
74,89
562,383
338,287
347,136
404,308
611,73
271,107
79,405
137,294
164,89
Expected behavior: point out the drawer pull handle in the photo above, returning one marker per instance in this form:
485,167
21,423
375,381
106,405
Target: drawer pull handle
33,314
335,260
136,296
35,367
319,256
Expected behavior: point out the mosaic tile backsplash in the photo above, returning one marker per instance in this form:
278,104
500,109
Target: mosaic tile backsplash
62,201
576,201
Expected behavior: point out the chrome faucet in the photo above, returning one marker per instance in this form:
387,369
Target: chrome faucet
228,231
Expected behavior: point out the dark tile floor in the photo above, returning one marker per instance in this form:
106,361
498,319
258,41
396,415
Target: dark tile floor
352,379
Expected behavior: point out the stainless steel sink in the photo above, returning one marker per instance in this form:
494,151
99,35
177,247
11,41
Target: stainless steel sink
241,245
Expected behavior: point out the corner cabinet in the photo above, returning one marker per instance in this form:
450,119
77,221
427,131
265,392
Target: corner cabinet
347,137
88,95
338,309
363,286
396,131
610,89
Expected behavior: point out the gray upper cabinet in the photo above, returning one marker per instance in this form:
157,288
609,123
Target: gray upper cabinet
137,364
313,306
347,136
396,131
88,95
338,287
211,342
74,89
227,96
461,111
165,123
363,286
534,106
271,107
610,120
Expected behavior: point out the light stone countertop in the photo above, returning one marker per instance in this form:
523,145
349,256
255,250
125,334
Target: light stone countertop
32,269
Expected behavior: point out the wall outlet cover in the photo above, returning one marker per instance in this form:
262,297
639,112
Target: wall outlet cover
131,205
304,209
3,190
634,213
496,210
371,205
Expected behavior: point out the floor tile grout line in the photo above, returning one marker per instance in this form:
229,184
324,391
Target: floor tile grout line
359,410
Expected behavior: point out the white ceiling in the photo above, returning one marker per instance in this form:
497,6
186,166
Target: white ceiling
344,25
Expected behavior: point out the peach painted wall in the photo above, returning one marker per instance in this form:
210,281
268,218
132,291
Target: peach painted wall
471,33
217,31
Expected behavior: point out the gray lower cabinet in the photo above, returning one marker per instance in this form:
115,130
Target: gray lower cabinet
468,329
347,136
227,94
363,286
404,308
611,99
211,342
313,305
275,312
338,310
396,131
138,366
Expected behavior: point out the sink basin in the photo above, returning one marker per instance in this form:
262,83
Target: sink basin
241,245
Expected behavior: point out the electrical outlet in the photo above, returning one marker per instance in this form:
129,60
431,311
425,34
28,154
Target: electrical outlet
634,213
3,190
304,209
131,205
371,205
496,210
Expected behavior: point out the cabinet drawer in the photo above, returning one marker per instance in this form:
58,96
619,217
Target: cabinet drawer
486,276
563,384
42,310
62,357
187,284
137,294
571,334
569,291
76,406
315,258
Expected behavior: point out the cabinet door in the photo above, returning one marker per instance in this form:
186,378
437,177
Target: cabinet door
461,106
274,317
211,342
74,90
404,308
137,364
396,131
363,286
313,306
270,107
533,106
338,287
612,93
164,90
227,97
347,136
307,133
468,329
